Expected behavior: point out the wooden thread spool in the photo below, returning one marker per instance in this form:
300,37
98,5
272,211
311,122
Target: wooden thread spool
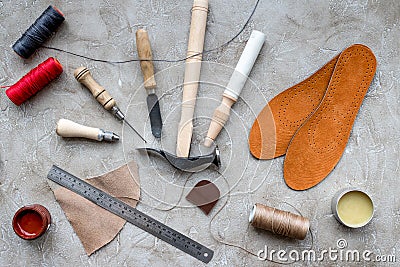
279,222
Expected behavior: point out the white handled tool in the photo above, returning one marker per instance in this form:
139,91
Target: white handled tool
67,128
235,85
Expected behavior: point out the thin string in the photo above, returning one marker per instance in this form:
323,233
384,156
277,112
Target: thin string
219,240
179,199
162,60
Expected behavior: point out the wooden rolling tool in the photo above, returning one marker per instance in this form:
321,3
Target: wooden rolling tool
192,75
82,75
235,85
146,64
67,128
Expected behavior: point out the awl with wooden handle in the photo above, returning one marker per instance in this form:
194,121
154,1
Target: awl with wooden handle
82,75
192,74
146,64
235,85
67,128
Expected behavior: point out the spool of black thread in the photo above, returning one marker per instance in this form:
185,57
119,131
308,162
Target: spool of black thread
38,32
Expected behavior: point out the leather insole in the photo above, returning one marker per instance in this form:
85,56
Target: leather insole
319,143
285,113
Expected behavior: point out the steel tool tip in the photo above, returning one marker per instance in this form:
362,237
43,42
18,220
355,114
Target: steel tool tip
110,136
115,137
135,131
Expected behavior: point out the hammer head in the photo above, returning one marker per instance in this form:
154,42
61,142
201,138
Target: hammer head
190,164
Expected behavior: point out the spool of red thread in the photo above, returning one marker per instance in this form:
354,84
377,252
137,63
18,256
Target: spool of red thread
31,221
34,81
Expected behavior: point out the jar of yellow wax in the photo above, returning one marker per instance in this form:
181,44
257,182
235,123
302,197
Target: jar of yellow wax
352,207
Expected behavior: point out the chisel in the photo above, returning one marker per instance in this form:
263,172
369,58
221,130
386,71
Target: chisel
146,64
82,75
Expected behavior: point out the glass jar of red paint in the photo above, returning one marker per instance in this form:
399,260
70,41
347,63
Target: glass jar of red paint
31,221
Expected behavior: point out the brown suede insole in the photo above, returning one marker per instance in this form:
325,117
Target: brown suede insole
281,118
318,145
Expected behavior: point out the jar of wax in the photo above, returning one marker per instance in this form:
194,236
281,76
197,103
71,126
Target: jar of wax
31,221
352,207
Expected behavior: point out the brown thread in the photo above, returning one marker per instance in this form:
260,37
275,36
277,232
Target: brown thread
227,243
279,222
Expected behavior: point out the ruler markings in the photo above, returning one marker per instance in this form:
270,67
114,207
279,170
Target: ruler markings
130,214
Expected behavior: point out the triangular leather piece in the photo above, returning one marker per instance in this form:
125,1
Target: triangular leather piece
318,145
94,225
204,195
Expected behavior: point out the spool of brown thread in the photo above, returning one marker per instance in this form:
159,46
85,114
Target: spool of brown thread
279,222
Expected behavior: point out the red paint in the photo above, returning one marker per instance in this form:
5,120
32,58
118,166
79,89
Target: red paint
59,11
30,222
34,81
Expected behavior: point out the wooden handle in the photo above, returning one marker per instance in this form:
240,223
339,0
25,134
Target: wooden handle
197,30
220,117
192,75
67,128
82,75
144,53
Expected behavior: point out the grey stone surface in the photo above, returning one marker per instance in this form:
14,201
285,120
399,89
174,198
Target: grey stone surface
301,37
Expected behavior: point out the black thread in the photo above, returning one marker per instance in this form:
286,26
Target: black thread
38,32
162,60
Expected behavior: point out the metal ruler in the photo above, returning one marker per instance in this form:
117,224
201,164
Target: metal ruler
130,214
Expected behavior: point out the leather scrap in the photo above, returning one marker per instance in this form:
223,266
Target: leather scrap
204,195
318,145
94,225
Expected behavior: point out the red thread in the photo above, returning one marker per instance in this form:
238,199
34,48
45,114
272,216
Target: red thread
34,81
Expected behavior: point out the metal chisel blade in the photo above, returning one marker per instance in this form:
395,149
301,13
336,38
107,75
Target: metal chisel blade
155,115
